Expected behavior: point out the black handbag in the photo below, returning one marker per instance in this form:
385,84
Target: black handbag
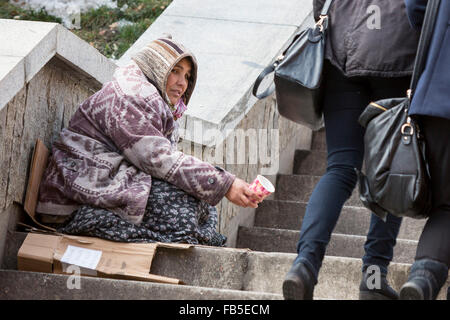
298,74
396,178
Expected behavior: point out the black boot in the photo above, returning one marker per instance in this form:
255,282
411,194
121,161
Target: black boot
425,280
369,289
299,283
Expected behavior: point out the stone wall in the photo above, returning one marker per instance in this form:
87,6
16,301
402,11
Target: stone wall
40,110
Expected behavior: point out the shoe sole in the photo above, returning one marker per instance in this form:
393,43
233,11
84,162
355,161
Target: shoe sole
293,289
411,291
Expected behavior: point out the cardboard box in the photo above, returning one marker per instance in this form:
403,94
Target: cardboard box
37,168
94,256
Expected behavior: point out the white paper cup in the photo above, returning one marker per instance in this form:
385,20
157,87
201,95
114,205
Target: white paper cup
262,186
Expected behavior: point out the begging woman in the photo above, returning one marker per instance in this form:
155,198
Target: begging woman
115,172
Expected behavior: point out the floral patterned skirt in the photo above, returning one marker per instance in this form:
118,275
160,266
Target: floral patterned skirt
171,215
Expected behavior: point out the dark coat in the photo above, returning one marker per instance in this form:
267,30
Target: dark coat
432,95
359,44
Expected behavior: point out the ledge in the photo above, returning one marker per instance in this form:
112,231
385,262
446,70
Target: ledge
233,41
28,45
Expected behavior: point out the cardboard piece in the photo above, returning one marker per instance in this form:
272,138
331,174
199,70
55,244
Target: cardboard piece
38,166
94,256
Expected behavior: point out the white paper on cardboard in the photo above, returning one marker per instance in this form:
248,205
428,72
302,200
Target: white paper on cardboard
86,258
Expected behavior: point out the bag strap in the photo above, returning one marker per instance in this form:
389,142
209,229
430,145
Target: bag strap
322,23
267,70
326,7
424,43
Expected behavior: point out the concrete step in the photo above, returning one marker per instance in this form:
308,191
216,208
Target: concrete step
209,273
311,162
16,286
265,272
339,277
340,245
353,220
308,162
201,268
300,187
318,141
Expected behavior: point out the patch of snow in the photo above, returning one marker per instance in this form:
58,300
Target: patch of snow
68,10
123,23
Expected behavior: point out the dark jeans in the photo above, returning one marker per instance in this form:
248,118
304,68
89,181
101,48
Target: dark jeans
344,100
434,243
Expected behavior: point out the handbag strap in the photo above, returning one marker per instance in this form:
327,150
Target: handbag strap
424,43
326,7
322,23
267,70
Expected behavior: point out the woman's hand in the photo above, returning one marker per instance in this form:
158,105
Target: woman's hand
241,195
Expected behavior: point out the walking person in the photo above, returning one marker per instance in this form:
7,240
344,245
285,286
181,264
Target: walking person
370,53
431,105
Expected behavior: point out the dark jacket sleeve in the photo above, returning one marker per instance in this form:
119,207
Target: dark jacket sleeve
416,12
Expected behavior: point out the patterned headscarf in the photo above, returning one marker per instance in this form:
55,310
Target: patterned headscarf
157,59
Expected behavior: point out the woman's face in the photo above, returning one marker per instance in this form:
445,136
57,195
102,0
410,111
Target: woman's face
177,82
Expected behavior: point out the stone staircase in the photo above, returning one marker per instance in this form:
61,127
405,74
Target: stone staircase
254,270
277,224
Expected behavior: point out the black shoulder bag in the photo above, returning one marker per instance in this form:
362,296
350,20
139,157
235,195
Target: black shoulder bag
396,178
298,73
